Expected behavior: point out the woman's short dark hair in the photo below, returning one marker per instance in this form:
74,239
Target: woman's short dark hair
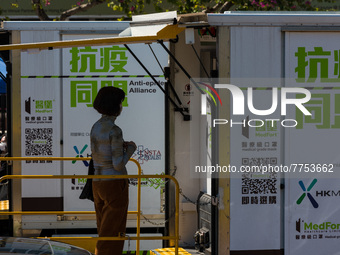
108,101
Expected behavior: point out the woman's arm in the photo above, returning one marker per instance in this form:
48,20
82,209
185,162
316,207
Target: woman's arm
119,156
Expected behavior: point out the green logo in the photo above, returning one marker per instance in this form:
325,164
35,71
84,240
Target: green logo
84,92
323,226
306,193
318,63
103,60
106,60
43,106
324,117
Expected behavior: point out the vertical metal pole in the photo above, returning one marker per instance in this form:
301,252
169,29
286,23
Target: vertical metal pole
3,112
214,186
177,219
14,128
169,160
138,209
223,138
167,166
8,126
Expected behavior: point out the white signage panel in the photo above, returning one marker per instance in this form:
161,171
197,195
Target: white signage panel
40,118
312,191
85,71
255,139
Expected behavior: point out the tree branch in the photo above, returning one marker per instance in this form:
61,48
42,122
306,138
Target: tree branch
80,8
39,10
212,9
226,6
220,7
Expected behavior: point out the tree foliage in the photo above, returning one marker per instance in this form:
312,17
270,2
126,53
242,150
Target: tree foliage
133,7
220,6
128,7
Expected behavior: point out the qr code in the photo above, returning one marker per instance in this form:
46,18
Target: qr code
38,141
259,161
259,186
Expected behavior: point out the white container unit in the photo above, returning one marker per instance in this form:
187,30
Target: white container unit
295,207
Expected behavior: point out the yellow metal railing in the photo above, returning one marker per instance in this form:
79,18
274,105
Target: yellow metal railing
138,212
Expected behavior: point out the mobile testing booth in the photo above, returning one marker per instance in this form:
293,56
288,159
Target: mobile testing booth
47,117
269,57
274,57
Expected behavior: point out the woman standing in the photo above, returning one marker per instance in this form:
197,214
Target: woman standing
110,154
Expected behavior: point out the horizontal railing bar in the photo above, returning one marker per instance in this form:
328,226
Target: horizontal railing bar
112,238
52,212
176,238
43,158
135,176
